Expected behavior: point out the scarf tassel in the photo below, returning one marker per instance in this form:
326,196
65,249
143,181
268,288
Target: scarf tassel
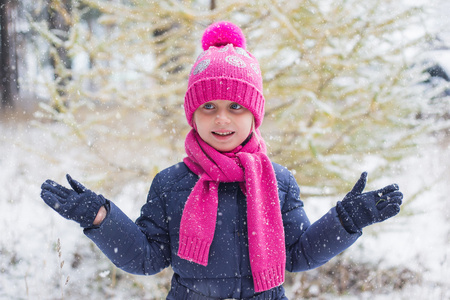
194,249
269,278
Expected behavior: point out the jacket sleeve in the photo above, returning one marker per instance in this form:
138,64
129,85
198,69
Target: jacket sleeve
309,246
138,248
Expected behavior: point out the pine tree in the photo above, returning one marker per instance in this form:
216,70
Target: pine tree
340,91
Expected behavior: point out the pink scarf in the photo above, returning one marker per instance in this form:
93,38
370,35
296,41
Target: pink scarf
250,166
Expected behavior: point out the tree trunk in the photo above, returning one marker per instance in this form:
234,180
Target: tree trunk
59,22
9,83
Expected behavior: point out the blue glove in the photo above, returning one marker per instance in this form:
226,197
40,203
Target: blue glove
358,210
79,204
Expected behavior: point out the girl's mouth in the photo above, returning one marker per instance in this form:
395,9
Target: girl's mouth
226,133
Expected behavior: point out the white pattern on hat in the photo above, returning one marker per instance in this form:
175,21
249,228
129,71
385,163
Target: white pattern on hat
224,49
242,52
201,66
203,54
255,68
235,61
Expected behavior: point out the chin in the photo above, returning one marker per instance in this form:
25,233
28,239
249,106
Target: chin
224,149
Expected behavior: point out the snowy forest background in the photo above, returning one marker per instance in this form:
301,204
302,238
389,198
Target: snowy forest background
95,89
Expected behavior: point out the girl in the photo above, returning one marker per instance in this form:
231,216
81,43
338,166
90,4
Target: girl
227,219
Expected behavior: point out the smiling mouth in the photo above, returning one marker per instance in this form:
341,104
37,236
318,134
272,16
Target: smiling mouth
223,133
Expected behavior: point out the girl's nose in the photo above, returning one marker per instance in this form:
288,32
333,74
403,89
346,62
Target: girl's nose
222,118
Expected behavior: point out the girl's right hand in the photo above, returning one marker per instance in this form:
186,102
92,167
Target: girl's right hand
78,204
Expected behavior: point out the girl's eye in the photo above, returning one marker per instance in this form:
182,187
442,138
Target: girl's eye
208,106
235,106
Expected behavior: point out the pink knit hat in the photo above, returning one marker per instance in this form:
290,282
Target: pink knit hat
225,71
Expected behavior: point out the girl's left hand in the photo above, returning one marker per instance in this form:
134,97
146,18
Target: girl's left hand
358,210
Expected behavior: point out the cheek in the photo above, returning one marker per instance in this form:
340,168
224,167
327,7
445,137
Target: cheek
199,124
197,121
248,122
194,123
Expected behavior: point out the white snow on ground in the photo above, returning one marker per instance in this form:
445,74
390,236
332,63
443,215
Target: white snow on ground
419,238
29,263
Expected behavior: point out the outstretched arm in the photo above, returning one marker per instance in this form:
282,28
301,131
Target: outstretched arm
130,247
127,245
311,245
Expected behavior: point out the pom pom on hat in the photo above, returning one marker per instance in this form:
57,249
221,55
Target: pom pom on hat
221,34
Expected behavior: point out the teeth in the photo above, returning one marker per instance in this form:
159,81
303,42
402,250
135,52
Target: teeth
224,133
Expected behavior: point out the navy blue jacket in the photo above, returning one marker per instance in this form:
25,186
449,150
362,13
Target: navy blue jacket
150,244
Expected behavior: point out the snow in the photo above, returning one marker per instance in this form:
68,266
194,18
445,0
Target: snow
420,236
31,266
29,260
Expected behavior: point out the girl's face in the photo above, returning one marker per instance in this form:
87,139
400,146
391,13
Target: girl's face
223,124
